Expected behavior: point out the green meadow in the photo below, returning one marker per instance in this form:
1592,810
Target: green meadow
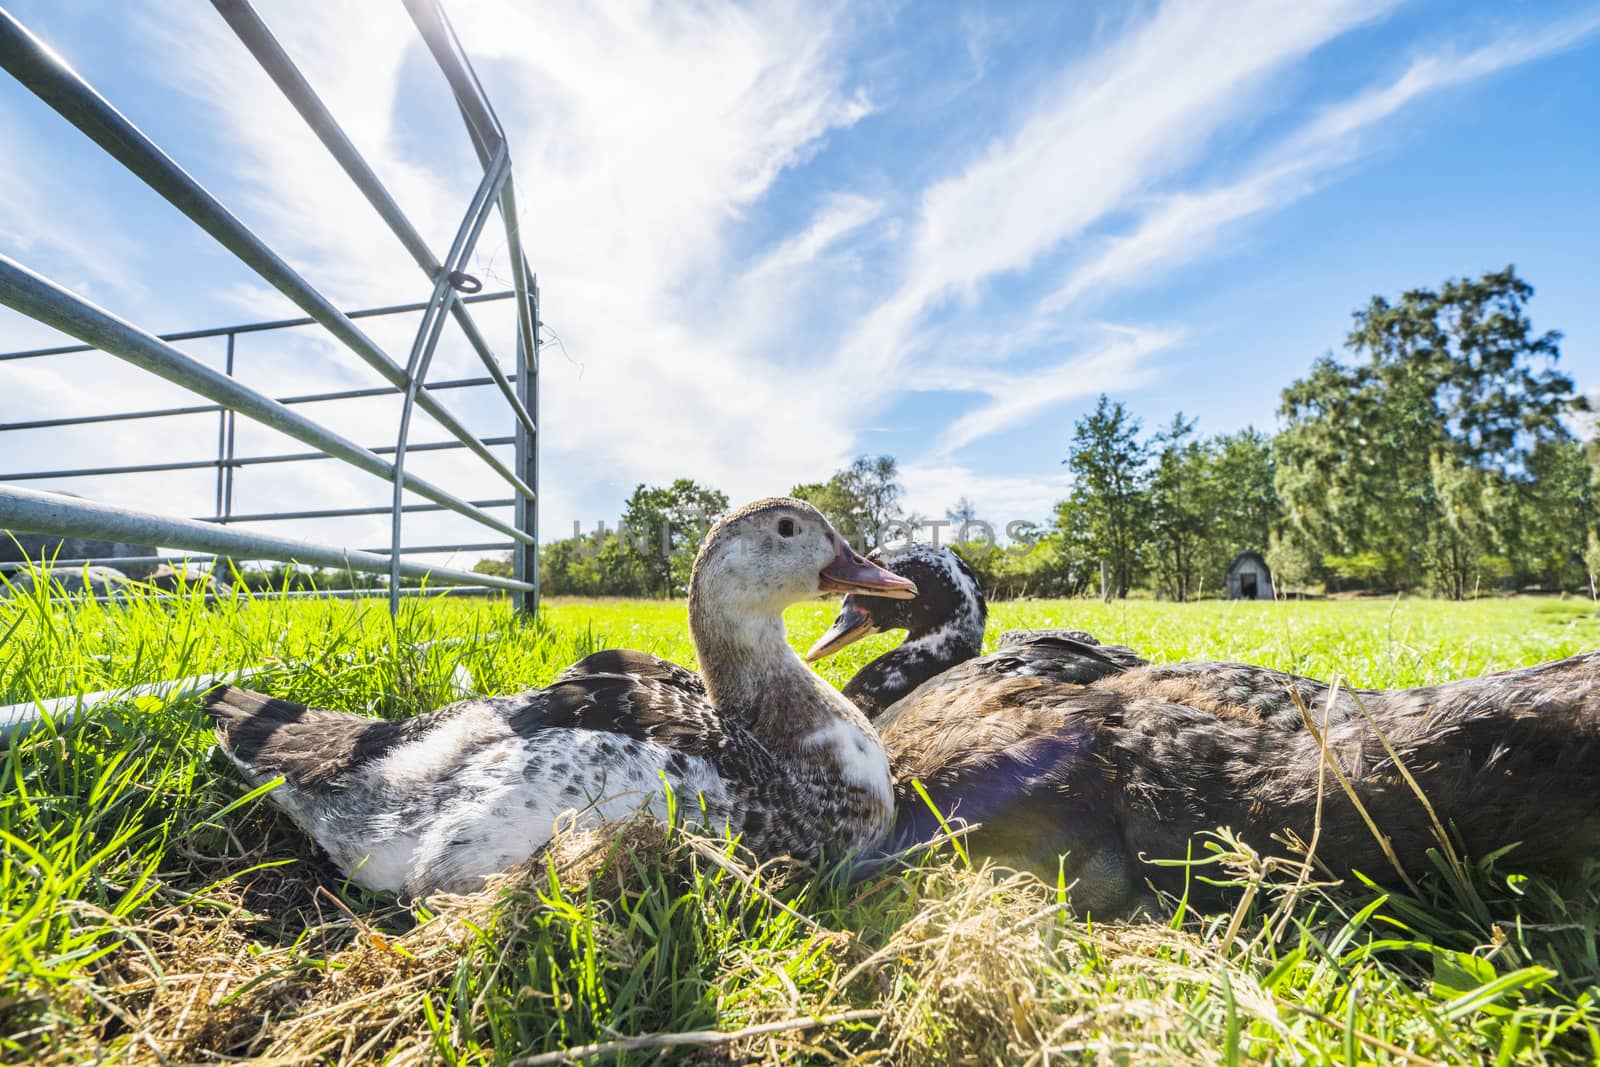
154,910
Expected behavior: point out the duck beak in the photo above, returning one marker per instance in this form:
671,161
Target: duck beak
851,626
851,573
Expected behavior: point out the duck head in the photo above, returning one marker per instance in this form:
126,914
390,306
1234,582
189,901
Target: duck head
755,562
949,609
759,559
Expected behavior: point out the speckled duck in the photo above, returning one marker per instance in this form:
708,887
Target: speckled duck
756,745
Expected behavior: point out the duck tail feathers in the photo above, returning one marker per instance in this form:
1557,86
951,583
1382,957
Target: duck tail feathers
245,720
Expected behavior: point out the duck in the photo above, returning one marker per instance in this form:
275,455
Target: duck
1059,747
756,746
945,626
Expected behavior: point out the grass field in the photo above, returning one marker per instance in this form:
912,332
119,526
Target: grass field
152,910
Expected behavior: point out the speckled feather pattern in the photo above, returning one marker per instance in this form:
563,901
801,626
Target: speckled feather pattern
443,799
944,625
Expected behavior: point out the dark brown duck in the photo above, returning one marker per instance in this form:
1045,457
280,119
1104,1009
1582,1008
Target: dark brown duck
1059,745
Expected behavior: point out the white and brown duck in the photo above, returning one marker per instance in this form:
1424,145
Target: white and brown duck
757,745
1056,745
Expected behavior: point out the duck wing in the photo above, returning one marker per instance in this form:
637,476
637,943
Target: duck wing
657,702
1055,658
1023,637
441,800
640,665
1254,695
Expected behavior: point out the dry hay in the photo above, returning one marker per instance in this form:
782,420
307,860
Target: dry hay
322,984
984,965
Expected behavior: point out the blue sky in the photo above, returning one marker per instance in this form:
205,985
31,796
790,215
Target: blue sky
773,236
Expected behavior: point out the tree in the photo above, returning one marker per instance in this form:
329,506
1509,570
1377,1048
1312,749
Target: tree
1109,461
1461,534
500,567
1246,501
1180,506
961,512
1548,516
663,529
874,482
1451,396
859,500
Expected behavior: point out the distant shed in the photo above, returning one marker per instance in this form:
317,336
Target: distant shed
1249,577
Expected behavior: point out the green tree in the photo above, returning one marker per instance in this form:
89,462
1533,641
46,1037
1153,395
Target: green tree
874,481
1375,455
1551,516
663,526
1243,491
1181,507
859,500
1108,501
1461,535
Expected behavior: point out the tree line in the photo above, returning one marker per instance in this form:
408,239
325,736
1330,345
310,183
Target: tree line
1439,456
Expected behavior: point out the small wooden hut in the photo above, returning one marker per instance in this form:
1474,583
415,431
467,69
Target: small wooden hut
1249,577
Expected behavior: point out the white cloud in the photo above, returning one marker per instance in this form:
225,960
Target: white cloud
932,488
705,338
1184,226
639,136
1015,400
1106,130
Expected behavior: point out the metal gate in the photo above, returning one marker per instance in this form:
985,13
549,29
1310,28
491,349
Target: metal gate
23,510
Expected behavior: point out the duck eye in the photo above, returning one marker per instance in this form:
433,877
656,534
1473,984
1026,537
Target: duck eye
786,528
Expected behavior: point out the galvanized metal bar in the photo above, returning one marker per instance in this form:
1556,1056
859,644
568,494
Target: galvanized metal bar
320,594
41,70
41,299
253,32
525,557
211,409
427,340
132,468
482,122
205,557
17,719
404,591
259,327
345,513
222,434
362,394
128,416
236,461
487,136
30,511
229,469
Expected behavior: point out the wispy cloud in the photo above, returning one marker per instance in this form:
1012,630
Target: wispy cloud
1015,399
1101,135
1000,499
1184,226
740,300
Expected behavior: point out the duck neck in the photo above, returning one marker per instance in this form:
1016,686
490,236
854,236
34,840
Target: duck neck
753,675
838,771
919,657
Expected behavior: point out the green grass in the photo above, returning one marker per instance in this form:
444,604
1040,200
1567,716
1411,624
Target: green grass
152,909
